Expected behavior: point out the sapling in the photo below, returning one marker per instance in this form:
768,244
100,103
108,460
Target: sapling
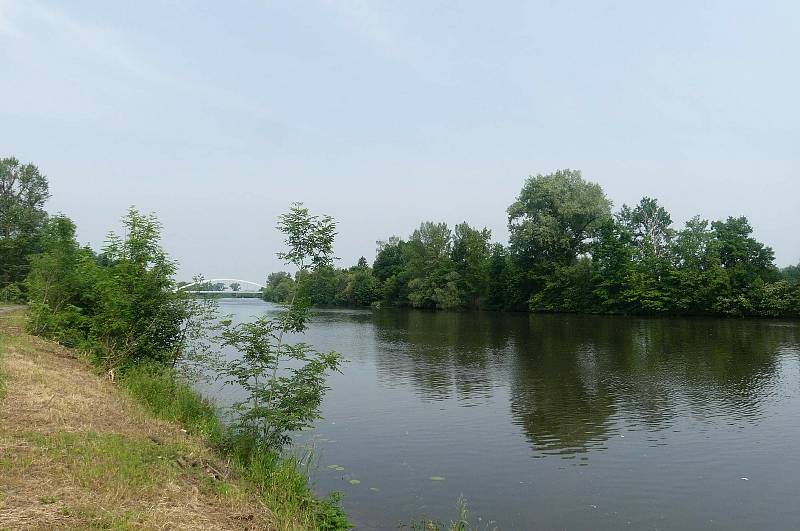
284,382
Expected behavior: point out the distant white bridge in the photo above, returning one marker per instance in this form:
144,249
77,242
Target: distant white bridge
226,289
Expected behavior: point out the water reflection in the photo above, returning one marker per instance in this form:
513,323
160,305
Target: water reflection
559,421
575,381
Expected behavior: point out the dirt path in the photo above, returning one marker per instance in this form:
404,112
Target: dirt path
77,453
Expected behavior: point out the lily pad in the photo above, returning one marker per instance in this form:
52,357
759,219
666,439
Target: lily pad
333,467
437,478
354,482
375,489
339,468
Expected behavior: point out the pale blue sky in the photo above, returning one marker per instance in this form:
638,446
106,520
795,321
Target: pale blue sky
383,114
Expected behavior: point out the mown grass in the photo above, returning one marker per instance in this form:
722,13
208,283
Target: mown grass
2,373
119,477
281,480
110,462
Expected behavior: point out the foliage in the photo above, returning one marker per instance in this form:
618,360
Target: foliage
23,192
166,394
569,253
471,256
120,305
791,273
283,382
280,286
12,293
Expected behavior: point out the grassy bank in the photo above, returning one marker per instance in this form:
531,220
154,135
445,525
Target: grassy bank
80,451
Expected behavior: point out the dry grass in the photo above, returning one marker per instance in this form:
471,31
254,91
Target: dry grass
77,453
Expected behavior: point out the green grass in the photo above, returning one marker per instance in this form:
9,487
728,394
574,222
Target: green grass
2,374
281,480
110,461
163,394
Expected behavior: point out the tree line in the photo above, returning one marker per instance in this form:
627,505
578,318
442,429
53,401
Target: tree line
567,252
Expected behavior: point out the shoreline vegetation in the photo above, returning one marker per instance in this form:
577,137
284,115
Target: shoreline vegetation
118,309
81,451
567,252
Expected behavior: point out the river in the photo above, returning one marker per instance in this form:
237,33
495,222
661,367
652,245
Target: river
556,421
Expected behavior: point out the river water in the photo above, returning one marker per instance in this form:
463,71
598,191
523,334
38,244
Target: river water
557,421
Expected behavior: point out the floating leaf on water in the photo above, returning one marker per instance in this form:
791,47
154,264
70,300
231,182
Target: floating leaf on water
334,467
354,482
376,489
339,468
437,478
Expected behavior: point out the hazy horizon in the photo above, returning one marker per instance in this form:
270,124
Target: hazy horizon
384,115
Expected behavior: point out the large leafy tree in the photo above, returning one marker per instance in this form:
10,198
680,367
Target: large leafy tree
433,282
551,223
650,228
279,287
472,256
742,256
697,277
650,225
612,255
23,193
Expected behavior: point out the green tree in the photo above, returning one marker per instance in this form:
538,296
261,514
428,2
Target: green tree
284,383
235,286
390,260
362,288
697,278
23,193
430,266
120,306
612,256
497,290
471,257
743,257
650,227
61,285
280,286
791,273
551,223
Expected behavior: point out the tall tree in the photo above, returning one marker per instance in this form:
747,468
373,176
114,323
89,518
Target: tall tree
650,227
551,224
23,193
649,224
431,283
742,256
471,256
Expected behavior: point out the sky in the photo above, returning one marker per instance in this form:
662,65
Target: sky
216,116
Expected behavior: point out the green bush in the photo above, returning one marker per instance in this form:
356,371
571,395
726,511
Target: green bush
12,294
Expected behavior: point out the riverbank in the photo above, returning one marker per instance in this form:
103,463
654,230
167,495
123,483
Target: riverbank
78,450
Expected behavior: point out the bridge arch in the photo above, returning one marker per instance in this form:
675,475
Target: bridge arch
216,280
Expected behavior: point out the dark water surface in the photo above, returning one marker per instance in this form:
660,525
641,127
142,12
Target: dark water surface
558,421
